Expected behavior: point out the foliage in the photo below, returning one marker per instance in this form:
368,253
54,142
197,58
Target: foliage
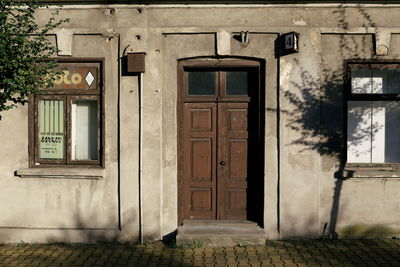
22,244
243,244
25,67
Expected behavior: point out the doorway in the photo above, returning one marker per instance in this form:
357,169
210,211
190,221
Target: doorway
220,142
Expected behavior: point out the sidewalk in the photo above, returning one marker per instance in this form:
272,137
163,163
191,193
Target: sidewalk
374,252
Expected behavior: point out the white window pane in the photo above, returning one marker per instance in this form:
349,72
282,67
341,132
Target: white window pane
51,129
392,131
385,132
359,132
378,133
373,130
377,85
361,81
375,81
84,130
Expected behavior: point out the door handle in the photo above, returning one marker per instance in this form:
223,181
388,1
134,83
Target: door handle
222,163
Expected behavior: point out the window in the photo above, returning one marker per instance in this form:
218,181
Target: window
218,85
373,113
67,117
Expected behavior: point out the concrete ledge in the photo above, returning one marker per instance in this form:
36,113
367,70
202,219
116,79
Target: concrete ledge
61,173
370,174
370,171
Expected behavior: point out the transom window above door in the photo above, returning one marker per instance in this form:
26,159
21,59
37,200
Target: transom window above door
222,85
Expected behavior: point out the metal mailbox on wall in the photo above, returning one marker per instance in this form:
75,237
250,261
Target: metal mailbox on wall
136,62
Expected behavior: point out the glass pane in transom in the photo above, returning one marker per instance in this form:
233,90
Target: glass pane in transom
201,83
375,81
236,83
51,129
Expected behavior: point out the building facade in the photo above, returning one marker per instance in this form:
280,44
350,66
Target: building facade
282,114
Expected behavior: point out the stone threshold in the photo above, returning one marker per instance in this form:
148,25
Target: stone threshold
220,233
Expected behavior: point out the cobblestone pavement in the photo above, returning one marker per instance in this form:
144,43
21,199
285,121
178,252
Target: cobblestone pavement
274,253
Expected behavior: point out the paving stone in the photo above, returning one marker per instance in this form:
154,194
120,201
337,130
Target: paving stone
275,253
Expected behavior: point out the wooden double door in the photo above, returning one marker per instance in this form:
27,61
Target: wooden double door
219,144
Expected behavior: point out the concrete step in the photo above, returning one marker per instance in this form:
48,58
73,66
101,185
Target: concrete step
217,233
218,222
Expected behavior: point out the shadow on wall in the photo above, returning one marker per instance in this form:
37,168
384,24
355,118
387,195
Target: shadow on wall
82,230
316,106
81,233
367,231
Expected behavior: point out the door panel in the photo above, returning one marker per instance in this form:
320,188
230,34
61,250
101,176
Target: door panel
199,156
203,173
232,160
201,199
237,163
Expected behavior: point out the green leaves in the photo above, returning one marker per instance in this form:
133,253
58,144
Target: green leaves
25,67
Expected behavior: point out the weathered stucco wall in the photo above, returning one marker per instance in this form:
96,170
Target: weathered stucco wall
85,208
303,124
356,206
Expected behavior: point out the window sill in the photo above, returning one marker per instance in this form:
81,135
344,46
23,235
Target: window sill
61,173
377,171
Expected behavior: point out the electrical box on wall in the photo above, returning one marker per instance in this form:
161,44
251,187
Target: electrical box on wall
133,63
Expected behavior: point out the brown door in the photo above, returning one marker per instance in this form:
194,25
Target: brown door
214,142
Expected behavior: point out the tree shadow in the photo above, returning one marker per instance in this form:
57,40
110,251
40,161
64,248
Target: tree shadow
317,109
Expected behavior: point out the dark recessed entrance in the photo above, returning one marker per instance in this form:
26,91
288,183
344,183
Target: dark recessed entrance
220,142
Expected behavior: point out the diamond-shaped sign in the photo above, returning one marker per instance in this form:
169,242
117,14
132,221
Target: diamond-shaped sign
89,78
76,76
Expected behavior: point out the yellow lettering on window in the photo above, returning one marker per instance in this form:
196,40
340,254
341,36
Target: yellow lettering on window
76,78
66,73
58,79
